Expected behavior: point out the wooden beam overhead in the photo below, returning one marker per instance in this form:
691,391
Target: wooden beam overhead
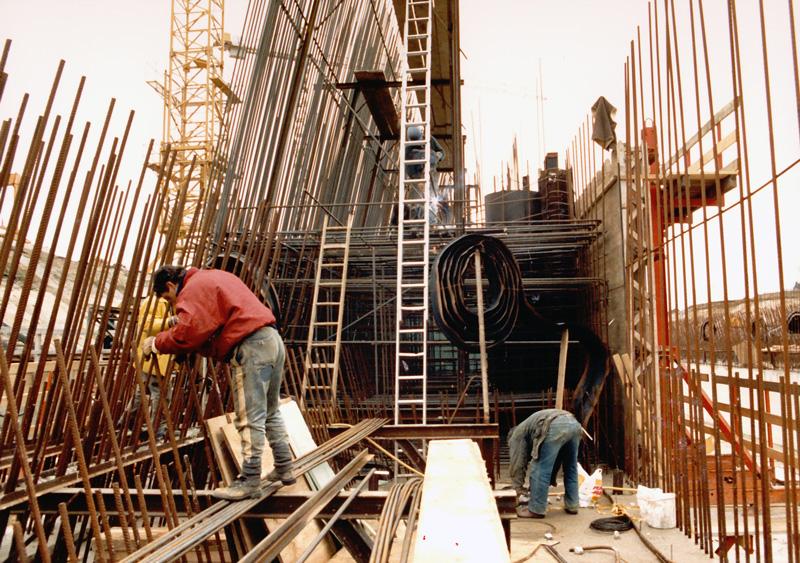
376,93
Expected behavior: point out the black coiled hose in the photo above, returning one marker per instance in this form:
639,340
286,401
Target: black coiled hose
453,268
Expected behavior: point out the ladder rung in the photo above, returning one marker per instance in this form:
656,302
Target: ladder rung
322,365
323,344
411,354
327,303
325,323
334,245
409,401
330,284
412,331
332,264
318,388
404,377
410,285
414,308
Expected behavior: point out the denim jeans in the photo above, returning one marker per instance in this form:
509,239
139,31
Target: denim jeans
256,398
151,382
564,435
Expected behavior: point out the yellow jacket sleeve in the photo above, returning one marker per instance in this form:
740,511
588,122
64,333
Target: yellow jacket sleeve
153,315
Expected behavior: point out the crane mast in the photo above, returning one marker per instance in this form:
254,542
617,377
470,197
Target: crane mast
194,92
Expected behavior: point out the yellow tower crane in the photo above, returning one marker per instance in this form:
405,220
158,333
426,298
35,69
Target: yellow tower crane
194,94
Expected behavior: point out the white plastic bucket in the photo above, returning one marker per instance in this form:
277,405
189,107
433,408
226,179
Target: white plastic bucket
657,507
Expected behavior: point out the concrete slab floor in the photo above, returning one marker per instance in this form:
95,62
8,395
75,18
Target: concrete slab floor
574,530
673,543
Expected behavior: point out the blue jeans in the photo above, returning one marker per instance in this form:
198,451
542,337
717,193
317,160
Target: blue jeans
564,436
256,398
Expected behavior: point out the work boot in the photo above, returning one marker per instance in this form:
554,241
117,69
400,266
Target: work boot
283,474
571,510
523,512
244,486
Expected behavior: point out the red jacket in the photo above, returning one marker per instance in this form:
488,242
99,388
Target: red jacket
215,310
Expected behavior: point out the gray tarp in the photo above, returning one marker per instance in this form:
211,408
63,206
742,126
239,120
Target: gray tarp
603,123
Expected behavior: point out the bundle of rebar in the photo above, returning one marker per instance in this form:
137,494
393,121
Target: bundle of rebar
293,147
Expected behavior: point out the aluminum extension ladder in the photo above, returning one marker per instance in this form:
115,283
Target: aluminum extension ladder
413,248
323,347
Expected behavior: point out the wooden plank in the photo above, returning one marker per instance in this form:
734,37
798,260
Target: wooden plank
31,368
725,143
292,552
301,441
482,339
746,413
376,93
239,534
729,108
458,519
772,453
742,382
562,368
352,533
224,460
724,425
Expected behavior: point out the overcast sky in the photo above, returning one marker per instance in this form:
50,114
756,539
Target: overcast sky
577,47
119,46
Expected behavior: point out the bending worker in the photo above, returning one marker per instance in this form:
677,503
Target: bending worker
543,439
220,318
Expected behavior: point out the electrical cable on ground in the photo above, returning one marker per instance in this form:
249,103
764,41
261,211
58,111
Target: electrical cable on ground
612,524
661,557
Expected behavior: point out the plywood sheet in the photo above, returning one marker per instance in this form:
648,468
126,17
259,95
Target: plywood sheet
458,518
326,549
302,442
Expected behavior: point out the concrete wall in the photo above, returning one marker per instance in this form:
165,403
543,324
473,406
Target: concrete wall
604,200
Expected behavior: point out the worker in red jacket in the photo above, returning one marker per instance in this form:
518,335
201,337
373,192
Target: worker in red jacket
220,318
